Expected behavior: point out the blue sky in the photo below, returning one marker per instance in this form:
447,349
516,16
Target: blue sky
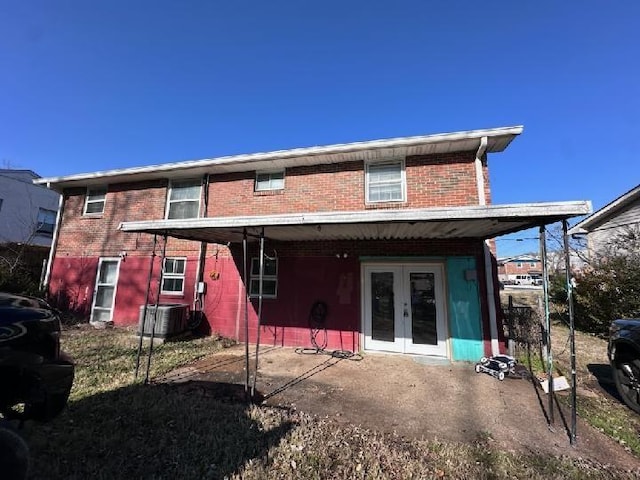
89,86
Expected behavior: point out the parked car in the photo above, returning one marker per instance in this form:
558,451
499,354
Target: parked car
35,375
624,356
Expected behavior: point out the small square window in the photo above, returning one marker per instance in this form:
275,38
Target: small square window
46,222
173,276
94,204
269,278
385,182
519,265
532,264
269,181
184,199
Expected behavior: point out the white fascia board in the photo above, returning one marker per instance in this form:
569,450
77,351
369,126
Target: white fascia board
539,210
601,215
293,153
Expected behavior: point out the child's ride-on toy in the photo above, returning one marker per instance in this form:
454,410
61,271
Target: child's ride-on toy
497,366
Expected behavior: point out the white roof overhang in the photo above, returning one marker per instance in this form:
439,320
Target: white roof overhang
497,140
480,222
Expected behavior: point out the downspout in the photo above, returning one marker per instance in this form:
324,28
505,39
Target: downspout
488,264
479,174
202,253
54,243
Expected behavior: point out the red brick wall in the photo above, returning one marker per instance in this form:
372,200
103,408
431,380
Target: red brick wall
98,235
511,268
432,181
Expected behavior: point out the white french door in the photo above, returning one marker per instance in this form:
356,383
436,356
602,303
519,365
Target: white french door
104,292
404,309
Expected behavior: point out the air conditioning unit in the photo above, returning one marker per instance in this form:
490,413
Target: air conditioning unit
171,319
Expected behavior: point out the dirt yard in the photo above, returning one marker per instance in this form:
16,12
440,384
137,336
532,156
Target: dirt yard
409,396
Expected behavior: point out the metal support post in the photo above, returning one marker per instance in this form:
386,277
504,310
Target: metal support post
572,333
547,321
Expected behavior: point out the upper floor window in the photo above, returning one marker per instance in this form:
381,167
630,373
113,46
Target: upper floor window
183,199
269,277
46,221
94,203
385,182
269,181
532,264
173,276
519,265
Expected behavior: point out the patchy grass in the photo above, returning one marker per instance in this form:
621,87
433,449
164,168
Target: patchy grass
115,428
105,359
599,403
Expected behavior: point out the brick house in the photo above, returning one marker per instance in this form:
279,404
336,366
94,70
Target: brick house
391,236
511,268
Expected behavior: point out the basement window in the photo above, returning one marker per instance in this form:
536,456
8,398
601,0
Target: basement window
266,181
184,199
173,276
269,278
385,182
94,204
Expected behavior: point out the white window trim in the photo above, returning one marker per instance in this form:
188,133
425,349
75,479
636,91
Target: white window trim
403,180
166,275
269,172
87,201
169,201
256,278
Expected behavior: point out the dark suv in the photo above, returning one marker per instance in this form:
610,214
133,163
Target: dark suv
624,356
35,376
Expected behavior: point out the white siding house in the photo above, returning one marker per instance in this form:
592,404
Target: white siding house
614,219
27,211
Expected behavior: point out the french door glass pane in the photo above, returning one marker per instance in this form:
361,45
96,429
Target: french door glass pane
108,272
423,309
382,307
104,297
100,315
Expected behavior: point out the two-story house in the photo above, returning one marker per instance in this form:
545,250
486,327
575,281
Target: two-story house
525,269
390,236
27,211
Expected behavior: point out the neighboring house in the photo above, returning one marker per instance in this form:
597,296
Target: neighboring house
27,211
523,269
392,236
603,226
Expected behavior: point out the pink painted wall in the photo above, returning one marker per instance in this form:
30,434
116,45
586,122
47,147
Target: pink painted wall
301,282
73,280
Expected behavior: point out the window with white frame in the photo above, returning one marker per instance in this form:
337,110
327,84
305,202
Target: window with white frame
269,278
385,182
183,200
266,181
173,276
519,265
532,264
94,204
46,221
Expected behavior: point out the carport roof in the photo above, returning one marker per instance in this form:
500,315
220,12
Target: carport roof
481,222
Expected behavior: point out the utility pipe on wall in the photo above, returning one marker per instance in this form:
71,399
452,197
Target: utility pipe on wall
488,265
482,148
